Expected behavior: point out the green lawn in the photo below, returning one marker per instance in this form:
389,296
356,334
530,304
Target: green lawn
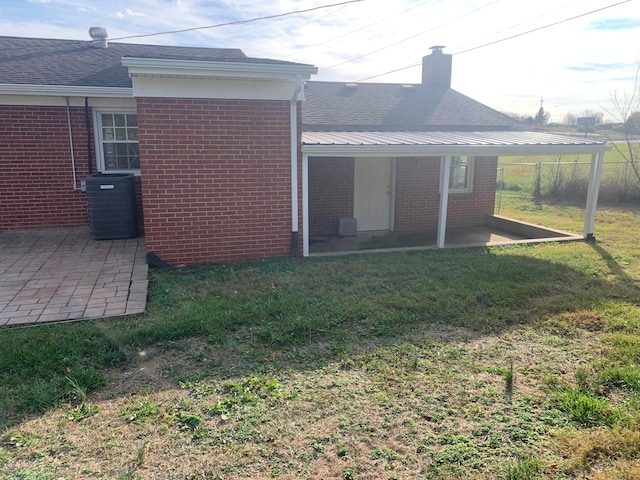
508,362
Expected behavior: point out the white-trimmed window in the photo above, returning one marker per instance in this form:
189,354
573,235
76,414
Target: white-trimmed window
460,174
117,141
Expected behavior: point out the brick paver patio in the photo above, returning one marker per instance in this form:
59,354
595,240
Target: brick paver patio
61,275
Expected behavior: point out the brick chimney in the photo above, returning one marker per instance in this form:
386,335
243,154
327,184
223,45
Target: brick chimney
436,68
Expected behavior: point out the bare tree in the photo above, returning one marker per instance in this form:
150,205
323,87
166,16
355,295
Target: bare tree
623,108
569,119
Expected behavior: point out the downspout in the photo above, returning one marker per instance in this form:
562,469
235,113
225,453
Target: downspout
73,156
293,106
88,125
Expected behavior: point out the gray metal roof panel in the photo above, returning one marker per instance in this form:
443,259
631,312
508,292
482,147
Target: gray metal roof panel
433,144
488,138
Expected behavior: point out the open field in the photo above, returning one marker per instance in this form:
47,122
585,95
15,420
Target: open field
565,178
507,362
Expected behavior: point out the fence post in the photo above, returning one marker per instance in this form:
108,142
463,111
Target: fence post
536,185
500,187
626,179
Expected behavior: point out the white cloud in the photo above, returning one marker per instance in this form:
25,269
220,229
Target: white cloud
129,13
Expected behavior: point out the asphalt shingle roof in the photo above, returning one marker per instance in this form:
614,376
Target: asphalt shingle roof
328,105
384,106
39,61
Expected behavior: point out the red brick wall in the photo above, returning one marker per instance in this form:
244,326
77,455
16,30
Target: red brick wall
418,195
36,177
469,209
417,200
330,193
216,179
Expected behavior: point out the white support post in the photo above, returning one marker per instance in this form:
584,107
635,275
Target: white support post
305,205
444,199
294,165
593,188
293,118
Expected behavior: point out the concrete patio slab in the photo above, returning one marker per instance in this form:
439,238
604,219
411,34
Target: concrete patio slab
496,231
63,275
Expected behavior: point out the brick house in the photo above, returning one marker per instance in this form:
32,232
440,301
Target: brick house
231,163
412,157
211,134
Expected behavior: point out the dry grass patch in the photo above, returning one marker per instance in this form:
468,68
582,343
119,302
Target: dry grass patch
622,470
432,405
612,452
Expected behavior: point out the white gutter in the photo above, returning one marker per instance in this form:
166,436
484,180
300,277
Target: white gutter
293,108
65,90
73,156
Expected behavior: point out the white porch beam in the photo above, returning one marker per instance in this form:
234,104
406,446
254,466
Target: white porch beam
377,150
445,165
305,205
593,188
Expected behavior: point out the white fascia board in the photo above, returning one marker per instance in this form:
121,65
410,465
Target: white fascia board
59,101
203,69
441,150
221,88
65,91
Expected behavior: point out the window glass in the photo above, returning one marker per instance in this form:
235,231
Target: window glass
107,134
461,174
132,134
121,133
458,176
132,121
119,141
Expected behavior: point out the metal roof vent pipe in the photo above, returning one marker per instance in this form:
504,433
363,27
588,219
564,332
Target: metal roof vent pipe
436,68
99,36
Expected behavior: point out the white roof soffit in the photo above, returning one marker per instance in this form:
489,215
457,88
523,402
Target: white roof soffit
407,144
201,69
65,91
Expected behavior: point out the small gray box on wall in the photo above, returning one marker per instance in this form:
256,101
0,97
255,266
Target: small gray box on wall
347,227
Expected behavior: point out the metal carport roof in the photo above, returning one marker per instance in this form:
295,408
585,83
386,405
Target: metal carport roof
411,143
448,144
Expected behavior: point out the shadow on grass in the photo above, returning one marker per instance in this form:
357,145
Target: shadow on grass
303,314
623,279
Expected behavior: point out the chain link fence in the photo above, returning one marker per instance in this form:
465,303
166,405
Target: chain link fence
565,181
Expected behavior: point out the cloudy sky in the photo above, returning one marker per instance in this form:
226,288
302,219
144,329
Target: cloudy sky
507,54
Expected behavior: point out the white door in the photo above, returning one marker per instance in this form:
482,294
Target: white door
373,193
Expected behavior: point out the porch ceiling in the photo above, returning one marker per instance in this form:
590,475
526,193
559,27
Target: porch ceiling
481,143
